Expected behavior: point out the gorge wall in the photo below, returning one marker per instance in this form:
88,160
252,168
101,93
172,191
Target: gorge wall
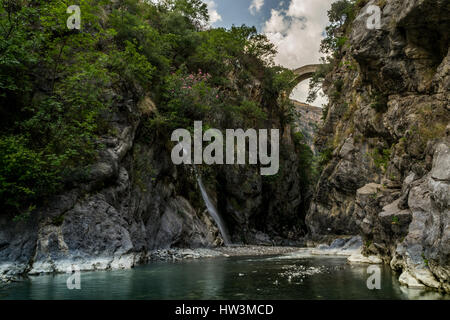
384,144
135,201
386,137
308,120
86,175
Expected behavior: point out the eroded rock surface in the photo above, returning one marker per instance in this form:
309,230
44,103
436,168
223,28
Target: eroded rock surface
387,131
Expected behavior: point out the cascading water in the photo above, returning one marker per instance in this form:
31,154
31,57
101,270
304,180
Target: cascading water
213,212
211,208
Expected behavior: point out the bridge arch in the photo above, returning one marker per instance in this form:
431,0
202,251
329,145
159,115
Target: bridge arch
304,73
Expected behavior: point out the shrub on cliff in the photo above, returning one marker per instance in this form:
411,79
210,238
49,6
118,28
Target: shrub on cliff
60,88
340,16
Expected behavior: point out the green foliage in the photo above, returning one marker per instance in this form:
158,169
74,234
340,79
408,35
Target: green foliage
194,12
250,113
55,95
276,82
381,158
299,138
425,260
340,16
59,88
307,170
187,97
349,65
132,66
317,79
325,157
338,86
58,220
379,103
325,112
142,169
213,82
240,52
25,174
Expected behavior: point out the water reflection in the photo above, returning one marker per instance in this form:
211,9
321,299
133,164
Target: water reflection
224,278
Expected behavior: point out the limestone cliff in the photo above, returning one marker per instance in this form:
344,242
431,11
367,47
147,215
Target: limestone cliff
387,135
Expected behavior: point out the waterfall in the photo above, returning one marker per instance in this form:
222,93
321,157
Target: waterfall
214,213
211,208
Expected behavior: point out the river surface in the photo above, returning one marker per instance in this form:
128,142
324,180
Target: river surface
276,277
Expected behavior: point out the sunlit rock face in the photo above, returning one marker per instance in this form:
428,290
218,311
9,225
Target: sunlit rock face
387,135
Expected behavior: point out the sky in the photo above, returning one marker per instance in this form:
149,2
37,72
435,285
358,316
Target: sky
296,27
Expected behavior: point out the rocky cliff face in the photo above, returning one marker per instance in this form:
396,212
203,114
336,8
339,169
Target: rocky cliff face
135,201
126,207
308,120
388,136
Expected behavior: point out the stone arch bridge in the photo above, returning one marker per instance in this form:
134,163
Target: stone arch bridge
305,72
302,74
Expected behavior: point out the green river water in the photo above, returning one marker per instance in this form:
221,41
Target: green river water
236,278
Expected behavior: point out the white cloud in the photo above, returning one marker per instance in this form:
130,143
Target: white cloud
256,6
297,33
214,15
276,25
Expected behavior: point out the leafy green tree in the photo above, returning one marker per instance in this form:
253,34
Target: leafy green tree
340,16
59,88
25,175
